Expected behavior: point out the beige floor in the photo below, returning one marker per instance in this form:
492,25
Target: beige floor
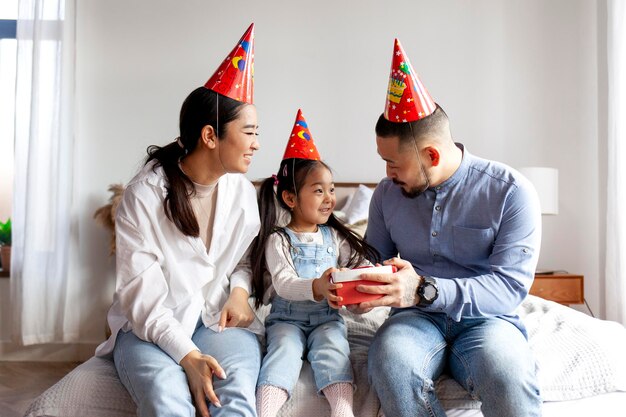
22,382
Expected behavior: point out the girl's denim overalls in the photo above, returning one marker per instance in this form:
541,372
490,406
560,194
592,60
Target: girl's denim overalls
294,328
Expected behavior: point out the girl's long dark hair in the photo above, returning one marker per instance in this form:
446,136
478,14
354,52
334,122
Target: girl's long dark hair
202,107
291,177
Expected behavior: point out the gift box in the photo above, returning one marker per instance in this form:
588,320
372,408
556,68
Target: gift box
350,280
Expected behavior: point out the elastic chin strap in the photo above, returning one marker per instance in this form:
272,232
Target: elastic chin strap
285,172
217,129
293,179
293,176
419,160
219,156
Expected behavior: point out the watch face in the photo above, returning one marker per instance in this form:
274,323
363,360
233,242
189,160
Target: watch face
429,292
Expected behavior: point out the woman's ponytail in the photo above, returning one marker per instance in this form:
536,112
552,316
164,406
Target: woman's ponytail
201,108
179,187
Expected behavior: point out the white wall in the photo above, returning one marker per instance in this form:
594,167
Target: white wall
519,80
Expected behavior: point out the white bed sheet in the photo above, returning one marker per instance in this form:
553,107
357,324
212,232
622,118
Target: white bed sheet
579,357
606,405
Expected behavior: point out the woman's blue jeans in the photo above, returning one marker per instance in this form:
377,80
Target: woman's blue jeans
489,357
159,386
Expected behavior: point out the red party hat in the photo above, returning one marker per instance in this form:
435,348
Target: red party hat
235,77
407,99
301,144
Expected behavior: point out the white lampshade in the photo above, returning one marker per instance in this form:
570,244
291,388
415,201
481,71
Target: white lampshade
546,182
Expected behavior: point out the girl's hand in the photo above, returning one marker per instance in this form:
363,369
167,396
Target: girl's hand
356,308
200,369
236,312
323,288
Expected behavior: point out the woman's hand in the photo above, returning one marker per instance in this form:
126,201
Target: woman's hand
236,312
323,288
200,369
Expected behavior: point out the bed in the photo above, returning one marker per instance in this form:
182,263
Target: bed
582,372
581,365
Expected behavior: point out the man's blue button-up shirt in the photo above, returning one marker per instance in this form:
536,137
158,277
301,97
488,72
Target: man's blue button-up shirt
478,234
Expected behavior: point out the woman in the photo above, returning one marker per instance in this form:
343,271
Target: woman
180,310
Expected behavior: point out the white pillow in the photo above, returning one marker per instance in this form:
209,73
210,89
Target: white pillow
577,355
357,207
340,215
347,203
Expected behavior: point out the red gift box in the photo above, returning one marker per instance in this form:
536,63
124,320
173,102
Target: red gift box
350,280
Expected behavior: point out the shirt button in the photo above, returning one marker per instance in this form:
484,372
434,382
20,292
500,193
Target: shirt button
438,208
317,269
330,249
434,234
525,250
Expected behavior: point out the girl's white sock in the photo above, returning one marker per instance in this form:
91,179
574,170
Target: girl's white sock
339,396
269,399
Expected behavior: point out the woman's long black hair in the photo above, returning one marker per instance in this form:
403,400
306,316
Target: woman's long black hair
291,177
202,107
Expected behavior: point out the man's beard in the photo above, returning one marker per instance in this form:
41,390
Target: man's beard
412,193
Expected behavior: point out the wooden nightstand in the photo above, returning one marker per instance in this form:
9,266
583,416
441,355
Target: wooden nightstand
562,288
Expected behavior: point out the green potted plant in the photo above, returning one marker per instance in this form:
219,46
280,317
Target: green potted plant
5,245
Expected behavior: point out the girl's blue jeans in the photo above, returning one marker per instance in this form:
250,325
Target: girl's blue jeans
299,330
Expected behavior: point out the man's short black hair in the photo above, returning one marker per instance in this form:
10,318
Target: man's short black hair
435,126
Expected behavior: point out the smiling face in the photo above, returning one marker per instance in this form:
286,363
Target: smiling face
240,141
315,201
402,165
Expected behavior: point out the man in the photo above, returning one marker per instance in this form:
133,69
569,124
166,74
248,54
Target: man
468,231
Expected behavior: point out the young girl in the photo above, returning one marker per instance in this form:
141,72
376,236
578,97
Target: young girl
300,258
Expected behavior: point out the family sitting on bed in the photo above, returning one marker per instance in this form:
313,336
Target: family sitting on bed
468,230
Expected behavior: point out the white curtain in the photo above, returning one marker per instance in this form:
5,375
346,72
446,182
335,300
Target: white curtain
44,141
616,181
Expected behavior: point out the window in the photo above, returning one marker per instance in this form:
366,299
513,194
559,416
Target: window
8,64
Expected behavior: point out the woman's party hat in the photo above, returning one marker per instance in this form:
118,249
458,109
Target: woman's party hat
235,77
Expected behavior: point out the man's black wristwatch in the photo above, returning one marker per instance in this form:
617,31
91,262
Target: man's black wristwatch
427,291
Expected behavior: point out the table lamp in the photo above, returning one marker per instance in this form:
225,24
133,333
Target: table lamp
546,182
